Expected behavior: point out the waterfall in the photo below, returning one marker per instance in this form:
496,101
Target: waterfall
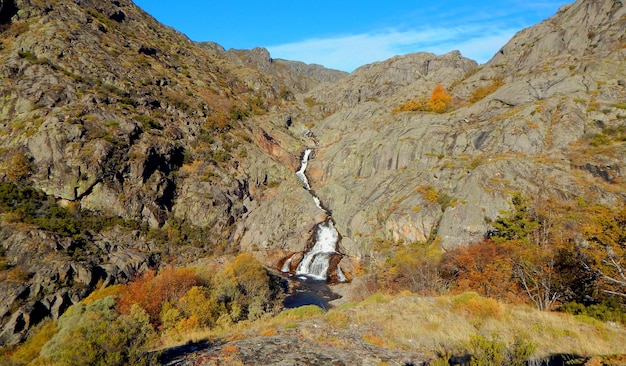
316,262
286,265
303,164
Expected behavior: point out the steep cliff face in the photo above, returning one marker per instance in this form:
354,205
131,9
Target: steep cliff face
524,121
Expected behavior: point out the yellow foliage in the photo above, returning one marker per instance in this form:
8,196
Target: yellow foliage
249,274
29,351
430,193
475,306
200,304
230,349
483,91
439,102
439,99
413,106
188,324
103,292
192,168
374,340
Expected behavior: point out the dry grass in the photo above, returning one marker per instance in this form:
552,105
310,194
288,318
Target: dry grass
429,324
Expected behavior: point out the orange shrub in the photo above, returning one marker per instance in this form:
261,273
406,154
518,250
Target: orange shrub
484,267
439,99
150,291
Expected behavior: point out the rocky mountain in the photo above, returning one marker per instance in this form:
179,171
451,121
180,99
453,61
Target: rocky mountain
126,146
106,111
558,84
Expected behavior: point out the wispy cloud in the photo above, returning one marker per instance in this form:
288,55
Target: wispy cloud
478,42
478,31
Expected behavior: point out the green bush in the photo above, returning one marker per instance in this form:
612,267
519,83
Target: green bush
95,334
32,206
30,57
492,352
605,311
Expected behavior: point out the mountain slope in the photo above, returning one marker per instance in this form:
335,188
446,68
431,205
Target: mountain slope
553,88
123,145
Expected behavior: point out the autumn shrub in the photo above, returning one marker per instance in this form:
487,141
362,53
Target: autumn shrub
431,195
415,267
475,306
230,349
413,106
246,283
103,292
202,305
604,229
150,291
439,101
19,167
482,91
269,332
374,339
483,267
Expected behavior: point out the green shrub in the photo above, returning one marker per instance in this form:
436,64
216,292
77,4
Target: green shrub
31,57
32,206
96,334
221,156
301,312
486,352
605,311
620,105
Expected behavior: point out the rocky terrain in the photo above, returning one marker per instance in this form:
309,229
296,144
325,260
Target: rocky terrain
183,150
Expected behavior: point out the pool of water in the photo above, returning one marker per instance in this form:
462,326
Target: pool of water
307,291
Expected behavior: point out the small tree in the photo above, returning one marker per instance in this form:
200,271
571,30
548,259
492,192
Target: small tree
439,99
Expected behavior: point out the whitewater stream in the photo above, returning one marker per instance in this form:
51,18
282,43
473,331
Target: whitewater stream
317,260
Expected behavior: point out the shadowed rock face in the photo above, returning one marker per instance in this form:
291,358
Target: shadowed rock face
7,10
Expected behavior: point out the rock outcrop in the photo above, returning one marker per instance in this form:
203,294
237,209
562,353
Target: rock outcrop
552,88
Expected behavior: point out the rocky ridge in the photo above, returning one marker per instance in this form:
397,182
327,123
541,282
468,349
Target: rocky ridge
560,86
106,111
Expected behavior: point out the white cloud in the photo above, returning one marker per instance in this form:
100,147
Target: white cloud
478,41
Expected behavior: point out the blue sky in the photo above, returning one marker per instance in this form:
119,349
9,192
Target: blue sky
346,34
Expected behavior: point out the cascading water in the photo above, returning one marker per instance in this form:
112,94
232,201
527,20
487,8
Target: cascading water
303,165
316,262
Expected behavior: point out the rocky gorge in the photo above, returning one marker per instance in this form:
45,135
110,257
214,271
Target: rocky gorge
126,146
